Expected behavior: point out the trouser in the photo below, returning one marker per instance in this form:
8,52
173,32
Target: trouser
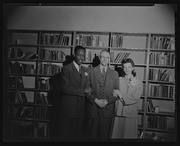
71,128
98,127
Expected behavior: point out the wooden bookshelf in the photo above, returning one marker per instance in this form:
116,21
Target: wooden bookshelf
45,51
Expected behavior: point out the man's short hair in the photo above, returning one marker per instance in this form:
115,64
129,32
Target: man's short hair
105,50
77,48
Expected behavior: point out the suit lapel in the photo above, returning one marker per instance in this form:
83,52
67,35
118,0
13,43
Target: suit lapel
76,74
83,77
97,74
108,76
123,86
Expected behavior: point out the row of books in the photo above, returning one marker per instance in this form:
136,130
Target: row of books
20,97
117,41
17,53
22,129
16,111
27,112
162,42
155,121
52,55
43,83
92,40
159,90
26,129
12,80
55,39
158,74
117,58
48,68
21,82
160,106
150,106
43,68
23,68
42,130
42,113
41,98
114,56
162,58
151,136
91,54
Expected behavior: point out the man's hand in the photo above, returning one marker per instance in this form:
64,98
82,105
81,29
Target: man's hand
87,90
101,102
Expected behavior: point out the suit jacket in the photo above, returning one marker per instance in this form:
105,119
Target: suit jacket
102,92
73,85
131,98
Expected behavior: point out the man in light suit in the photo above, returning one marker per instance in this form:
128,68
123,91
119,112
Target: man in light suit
101,102
74,78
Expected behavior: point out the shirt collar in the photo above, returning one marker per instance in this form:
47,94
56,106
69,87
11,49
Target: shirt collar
101,67
76,65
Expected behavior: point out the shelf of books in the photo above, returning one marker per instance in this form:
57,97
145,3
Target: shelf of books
134,46
33,57
160,120
36,55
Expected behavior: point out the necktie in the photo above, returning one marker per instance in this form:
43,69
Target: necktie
80,70
103,72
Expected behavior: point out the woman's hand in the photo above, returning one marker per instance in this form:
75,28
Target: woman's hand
117,93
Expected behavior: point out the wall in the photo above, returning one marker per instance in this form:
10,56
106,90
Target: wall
138,19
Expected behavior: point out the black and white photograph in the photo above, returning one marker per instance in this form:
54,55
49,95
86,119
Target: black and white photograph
90,72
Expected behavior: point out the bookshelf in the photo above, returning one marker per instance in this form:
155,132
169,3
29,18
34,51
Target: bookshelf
33,57
36,55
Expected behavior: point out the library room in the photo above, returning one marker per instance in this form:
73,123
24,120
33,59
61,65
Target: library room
89,73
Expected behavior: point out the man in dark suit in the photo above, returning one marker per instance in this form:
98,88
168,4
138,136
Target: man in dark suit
101,102
74,78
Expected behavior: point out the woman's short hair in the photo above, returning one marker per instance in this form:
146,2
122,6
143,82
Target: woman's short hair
129,60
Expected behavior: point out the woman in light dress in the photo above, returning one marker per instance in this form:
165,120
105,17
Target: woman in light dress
125,124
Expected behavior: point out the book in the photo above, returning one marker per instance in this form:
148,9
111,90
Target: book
12,53
126,55
42,130
29,55
112,56
165,76
166,43
172,44
23,97
20,82
27,112
151,106
19,53
148,107
115,60
18,98
18,111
